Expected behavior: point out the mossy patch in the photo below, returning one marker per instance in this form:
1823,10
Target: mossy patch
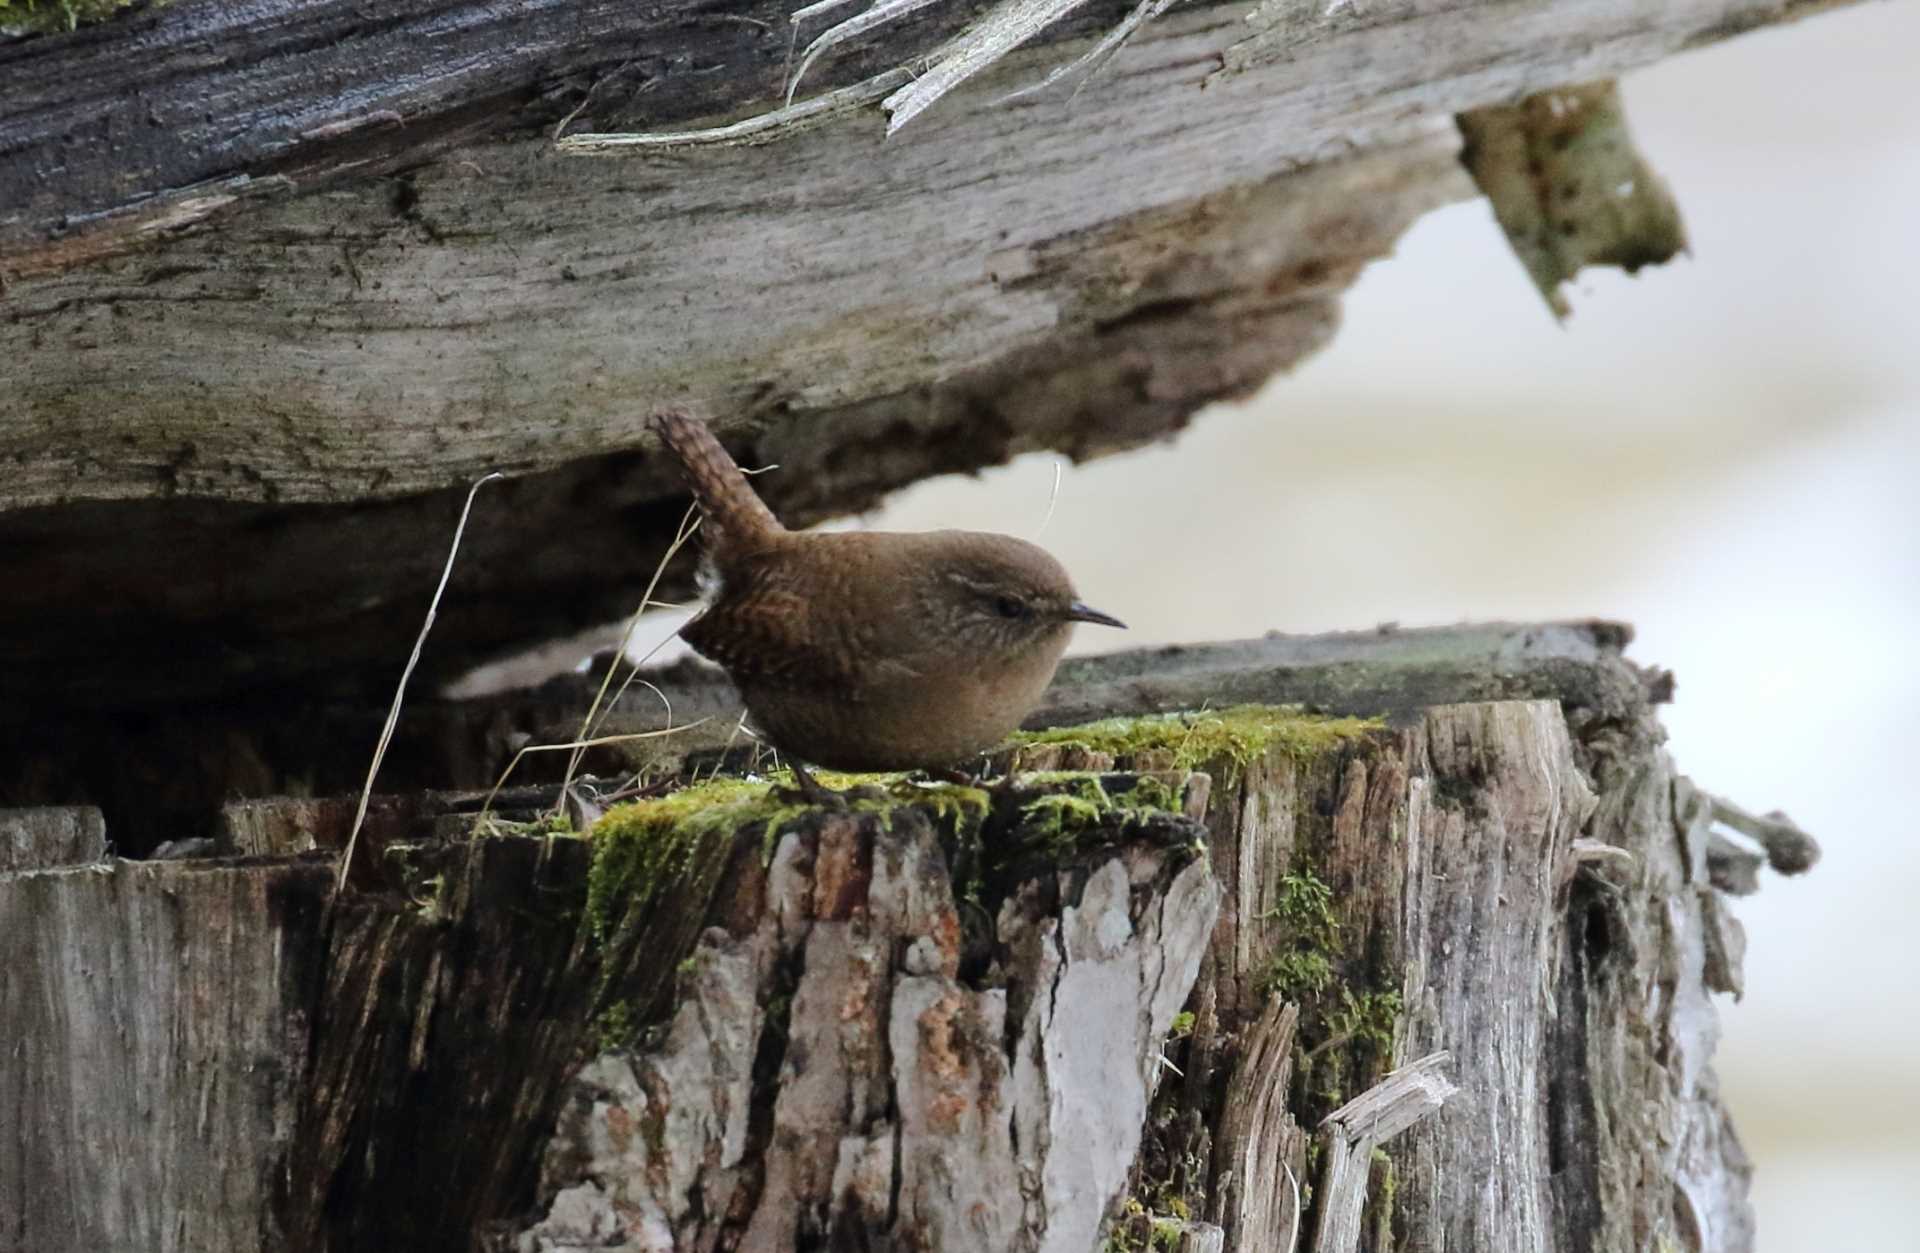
1382,1194
491,824
53,16
1190,740
1301,965
664,841
640,847
1138,1229
616,1026
1059,812
657,862
1346,1028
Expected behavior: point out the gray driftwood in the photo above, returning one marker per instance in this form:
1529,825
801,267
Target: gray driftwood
880,1036
277,279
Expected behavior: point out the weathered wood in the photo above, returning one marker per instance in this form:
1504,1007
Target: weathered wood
1256,1190
1349,1135
51,835
156,1020
339,264
1421,891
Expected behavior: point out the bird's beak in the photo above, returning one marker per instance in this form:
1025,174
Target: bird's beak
1078,612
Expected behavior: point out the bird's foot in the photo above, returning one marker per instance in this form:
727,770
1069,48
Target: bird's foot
810,790
983,778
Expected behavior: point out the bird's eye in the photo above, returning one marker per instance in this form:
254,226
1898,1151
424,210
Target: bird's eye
1011,607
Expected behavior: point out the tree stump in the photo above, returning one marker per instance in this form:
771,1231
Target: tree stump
1238,977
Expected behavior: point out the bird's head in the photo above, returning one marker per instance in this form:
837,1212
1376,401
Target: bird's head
1004,596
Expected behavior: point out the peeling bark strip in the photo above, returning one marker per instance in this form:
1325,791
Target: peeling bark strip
1349,1135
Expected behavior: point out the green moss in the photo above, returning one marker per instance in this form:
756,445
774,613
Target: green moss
1366,1018
954,806
1301,966
1153,792
1057,817
1074,803
1237,735
642,847
616,1026
1344,1024
1139,1230
493,825
53,16
1385,1189
656,862
951,805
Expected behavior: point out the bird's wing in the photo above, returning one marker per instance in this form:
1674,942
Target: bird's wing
762,628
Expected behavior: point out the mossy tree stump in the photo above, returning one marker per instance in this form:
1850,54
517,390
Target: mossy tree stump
1247,978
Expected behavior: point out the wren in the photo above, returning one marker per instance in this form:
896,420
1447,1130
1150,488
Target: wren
871,650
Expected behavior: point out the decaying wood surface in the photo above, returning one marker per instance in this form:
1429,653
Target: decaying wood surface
1444,978
268,310
919,1105
54,835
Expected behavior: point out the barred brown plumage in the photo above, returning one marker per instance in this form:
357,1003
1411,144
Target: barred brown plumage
871,650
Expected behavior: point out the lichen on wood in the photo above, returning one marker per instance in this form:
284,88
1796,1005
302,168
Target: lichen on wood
1569,187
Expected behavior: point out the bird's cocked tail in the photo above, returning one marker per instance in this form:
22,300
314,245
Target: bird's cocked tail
733,512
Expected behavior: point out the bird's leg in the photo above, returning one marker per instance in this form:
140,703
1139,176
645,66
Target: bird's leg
983,778
811,790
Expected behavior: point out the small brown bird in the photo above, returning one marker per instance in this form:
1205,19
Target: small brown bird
871,650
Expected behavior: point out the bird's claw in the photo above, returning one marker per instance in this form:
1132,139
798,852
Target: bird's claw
810,790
